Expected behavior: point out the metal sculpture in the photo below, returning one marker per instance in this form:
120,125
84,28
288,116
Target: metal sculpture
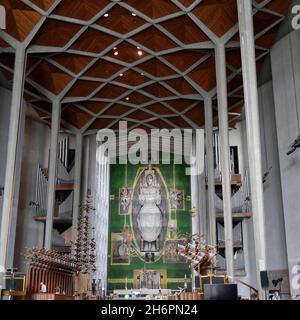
195,250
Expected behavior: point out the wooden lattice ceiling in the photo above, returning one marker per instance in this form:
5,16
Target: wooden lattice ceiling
150,62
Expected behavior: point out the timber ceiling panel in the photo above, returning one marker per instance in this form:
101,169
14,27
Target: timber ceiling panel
131,78
80,9
187,3
126,53
136,98
266,41
278,6
181,86
262,20
218,15
196,116
187,33
50,77
115,110
93,106
151,62
103,70
156,68
154,9
75,116
43,4
140,115
120,20
157,90
55,33
100,123
154,40
73,62
180,104
83,88
93,41
20,19
205,74
159,109
180,122
183,60
110,92
161,123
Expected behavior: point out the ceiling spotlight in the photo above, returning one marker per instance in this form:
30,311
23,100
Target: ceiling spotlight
121,74
127,99
106,15
115,48
133,14
116,53
140,53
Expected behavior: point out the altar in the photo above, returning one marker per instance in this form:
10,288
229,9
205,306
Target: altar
143,294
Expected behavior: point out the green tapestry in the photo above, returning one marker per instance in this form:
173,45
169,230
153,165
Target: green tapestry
150,213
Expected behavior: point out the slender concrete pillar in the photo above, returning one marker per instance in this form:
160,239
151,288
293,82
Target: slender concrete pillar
210,171
9,184
253,133
202,206
77,183
200,183
225,155
195,194
55,125
86,159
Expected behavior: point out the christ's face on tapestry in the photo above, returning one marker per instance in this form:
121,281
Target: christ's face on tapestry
149,179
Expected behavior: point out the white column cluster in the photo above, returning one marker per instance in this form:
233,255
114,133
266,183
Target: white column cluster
102,215
210,171
224,146
77,183
253,133
10,172
195,195
198,188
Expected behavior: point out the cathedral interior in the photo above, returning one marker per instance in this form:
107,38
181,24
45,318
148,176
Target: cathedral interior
149,149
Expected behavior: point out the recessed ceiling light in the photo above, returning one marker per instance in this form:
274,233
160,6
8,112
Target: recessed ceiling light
106,15
127,98
116,53
133,14
121,74
140,53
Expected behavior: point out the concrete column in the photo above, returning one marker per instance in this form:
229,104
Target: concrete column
200,183
253,133
202,205
18,170
9,185
195,194
210,171
77,183
55,125
224,153
86,161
